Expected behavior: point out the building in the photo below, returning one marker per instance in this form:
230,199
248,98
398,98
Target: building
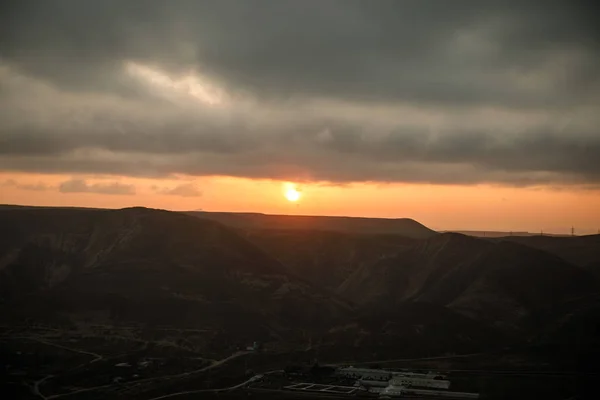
415,381
365,374
381,378
256,346
401,391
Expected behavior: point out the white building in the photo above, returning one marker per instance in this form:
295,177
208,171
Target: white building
428,382
365,374
391,391
370,377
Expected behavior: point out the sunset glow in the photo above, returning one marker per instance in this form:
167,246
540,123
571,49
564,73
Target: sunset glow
458,118
441,207
291,192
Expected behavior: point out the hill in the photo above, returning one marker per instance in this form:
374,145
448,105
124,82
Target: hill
325,258
497,234
401,226
150,267
583,251
87,290
503,284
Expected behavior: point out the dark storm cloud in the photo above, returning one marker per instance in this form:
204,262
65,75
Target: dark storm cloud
276,59
396,50
170,141
81,186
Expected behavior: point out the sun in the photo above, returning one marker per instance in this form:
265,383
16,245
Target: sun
292,195
291,192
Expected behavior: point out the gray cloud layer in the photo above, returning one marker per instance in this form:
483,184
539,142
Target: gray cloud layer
419,91
39,187
183,190
81,186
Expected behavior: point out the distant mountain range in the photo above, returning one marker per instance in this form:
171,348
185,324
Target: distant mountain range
399,226
503,234
348,285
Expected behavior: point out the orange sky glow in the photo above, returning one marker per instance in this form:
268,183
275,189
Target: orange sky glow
462,119
441,207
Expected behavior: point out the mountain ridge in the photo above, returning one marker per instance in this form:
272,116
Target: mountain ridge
339,290
401,226
501,282
152,267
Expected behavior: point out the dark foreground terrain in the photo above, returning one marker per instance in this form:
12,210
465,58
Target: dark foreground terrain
140,303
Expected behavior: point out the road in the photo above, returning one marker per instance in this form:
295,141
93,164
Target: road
97,357
156,378
254,378
238,386
37,384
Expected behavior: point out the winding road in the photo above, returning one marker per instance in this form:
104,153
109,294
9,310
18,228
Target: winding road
156,378
37,384
97,357
238,386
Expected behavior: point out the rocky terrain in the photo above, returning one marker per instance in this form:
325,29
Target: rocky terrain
150,267
159,268
79,287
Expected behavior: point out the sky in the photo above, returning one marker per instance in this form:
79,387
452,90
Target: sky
462,114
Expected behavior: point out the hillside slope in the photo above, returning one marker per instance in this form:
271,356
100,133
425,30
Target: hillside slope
149,269
142,266
583,251
502,284
326,258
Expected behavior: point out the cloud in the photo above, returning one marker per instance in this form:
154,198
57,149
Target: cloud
183,190
81,186
340,91
38,187
414,50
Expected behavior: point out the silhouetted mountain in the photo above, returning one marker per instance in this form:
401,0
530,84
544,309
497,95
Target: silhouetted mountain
500,234
149,267
583,251
503,284
401,226
340,292
326,258
416,269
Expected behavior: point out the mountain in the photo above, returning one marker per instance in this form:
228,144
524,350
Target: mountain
152,268
583,251
325,258
400,226
504,284
138,303
422,266
336,290
496,234
410,329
